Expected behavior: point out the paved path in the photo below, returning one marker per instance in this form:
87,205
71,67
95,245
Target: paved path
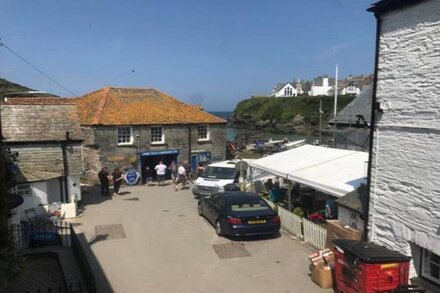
169,248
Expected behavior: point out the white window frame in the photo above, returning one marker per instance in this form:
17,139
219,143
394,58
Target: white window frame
162,140
426,263
288,91
24,189
130,142
199,138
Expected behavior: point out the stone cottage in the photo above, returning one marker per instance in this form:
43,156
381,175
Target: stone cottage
405,163
47,136
137,127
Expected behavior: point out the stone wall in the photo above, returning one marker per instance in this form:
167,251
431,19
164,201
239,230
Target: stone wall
405,194
101,148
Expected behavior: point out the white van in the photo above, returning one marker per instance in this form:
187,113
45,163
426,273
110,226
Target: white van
215,177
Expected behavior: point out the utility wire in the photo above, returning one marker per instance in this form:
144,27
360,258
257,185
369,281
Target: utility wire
37,69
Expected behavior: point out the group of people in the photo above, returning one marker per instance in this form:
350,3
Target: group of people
104,179
180,174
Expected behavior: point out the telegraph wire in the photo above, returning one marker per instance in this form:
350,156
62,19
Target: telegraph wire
37,69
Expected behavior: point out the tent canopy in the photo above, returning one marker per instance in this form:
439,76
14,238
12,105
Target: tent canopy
333,171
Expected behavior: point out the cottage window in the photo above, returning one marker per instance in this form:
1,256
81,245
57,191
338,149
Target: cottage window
288,92
23,189
125,135
203,132
431,266
157,134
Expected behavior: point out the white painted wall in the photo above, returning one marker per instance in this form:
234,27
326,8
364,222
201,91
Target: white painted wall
348,217
321,90
280,93
405,193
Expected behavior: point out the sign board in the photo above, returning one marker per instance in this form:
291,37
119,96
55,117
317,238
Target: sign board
131,177
159,153
204,157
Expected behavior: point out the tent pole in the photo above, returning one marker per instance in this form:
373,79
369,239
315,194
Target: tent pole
289,197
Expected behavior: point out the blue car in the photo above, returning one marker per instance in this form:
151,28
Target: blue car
239,214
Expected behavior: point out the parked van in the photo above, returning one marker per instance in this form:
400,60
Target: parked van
215,177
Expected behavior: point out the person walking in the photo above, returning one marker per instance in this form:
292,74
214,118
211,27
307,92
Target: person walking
200,170
117,181
160,172
181,179
173,169
104,180
148,176
188,171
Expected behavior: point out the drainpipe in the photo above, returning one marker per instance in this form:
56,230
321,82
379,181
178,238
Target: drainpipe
66,168
374,108
189,145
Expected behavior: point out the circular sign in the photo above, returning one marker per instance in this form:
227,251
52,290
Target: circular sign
131,177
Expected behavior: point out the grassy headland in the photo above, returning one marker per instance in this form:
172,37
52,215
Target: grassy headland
286,114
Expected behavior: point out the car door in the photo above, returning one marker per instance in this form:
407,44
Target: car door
210,206
215,205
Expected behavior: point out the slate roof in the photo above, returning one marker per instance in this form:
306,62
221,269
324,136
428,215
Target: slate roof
385,6
138,106
39,119
279,86
355,200
361,105
29,175
319,81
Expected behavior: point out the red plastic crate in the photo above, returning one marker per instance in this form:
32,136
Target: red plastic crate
356,276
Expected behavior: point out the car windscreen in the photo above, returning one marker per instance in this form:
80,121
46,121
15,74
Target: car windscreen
248,205
220,172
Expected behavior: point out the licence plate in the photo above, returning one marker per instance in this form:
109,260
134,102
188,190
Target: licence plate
256,221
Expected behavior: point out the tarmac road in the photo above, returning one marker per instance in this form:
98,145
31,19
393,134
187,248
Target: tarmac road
164,246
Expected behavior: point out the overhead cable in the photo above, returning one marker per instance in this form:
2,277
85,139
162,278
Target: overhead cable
37,69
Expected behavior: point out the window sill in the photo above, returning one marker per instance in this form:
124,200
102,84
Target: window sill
204,141
125,144
158,144
429,286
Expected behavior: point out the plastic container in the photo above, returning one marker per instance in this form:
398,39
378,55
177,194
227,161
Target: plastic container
363,267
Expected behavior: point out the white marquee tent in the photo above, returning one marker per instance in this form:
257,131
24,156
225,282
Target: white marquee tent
333,171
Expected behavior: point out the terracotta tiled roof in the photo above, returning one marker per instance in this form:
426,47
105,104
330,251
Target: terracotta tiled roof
138,106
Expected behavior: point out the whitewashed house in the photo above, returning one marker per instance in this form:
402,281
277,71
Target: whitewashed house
46,133
287,89
404,194
321,86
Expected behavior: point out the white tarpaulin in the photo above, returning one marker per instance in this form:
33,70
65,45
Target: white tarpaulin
334,171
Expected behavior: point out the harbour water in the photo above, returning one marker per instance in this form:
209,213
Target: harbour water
232,132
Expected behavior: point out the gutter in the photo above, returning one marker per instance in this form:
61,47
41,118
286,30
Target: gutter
374,108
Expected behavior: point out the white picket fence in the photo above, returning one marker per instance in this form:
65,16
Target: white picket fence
302,228
314,234
290,222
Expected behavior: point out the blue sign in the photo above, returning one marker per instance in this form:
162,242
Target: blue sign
131,177
160,153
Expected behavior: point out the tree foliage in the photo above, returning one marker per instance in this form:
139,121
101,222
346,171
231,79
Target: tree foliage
283,110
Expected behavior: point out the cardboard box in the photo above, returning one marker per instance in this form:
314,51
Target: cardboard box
336,230
329,258
318,262
323,277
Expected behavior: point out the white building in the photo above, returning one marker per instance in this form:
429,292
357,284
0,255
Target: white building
322,85
47,136
404,200
287,89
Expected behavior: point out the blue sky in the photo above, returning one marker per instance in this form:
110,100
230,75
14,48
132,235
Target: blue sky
215,53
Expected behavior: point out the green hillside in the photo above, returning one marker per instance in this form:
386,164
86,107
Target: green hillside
291,113
10,87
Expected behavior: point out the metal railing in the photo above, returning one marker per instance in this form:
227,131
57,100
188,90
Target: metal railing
40,233
46,233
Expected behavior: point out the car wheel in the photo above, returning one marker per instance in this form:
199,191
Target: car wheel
218,228
199,209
